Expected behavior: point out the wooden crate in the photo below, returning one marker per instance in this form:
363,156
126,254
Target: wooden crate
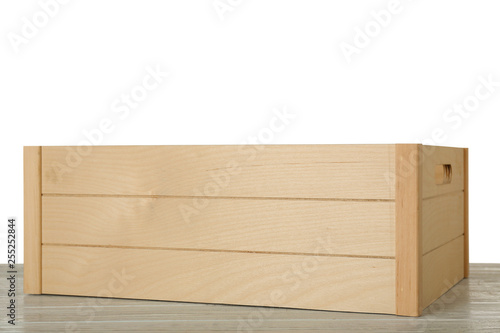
363,228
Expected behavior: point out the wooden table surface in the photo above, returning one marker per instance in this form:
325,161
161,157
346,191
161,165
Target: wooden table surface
471,306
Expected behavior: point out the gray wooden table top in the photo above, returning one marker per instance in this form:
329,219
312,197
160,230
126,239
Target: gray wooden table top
471,306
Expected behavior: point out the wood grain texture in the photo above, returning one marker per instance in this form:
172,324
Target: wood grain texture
299,226
442,269
442,220
327,283
286,171
432,156
466,212
32,220
408,230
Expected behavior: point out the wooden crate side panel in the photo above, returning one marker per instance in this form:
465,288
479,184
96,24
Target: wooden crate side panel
284,171
327,283
442,269
433,156
32,220
446,222
408,230
442,220
298,226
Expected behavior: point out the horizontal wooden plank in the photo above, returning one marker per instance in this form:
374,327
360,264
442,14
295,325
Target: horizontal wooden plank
442,269
437,156
341,227
313,282
289,171
442,220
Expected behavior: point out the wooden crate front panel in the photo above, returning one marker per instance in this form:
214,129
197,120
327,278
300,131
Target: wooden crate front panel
364,228
294,171
313,282
257,217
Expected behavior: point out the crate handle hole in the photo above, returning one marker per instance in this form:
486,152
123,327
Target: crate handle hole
443,174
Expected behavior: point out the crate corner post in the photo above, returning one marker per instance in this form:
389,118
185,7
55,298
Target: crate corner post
32,220
466,212
408,229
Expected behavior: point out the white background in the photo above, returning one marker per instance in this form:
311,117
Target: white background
226,76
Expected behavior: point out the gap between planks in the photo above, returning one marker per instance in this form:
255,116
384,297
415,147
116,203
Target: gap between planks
443,195
159,196
217,250
434,249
